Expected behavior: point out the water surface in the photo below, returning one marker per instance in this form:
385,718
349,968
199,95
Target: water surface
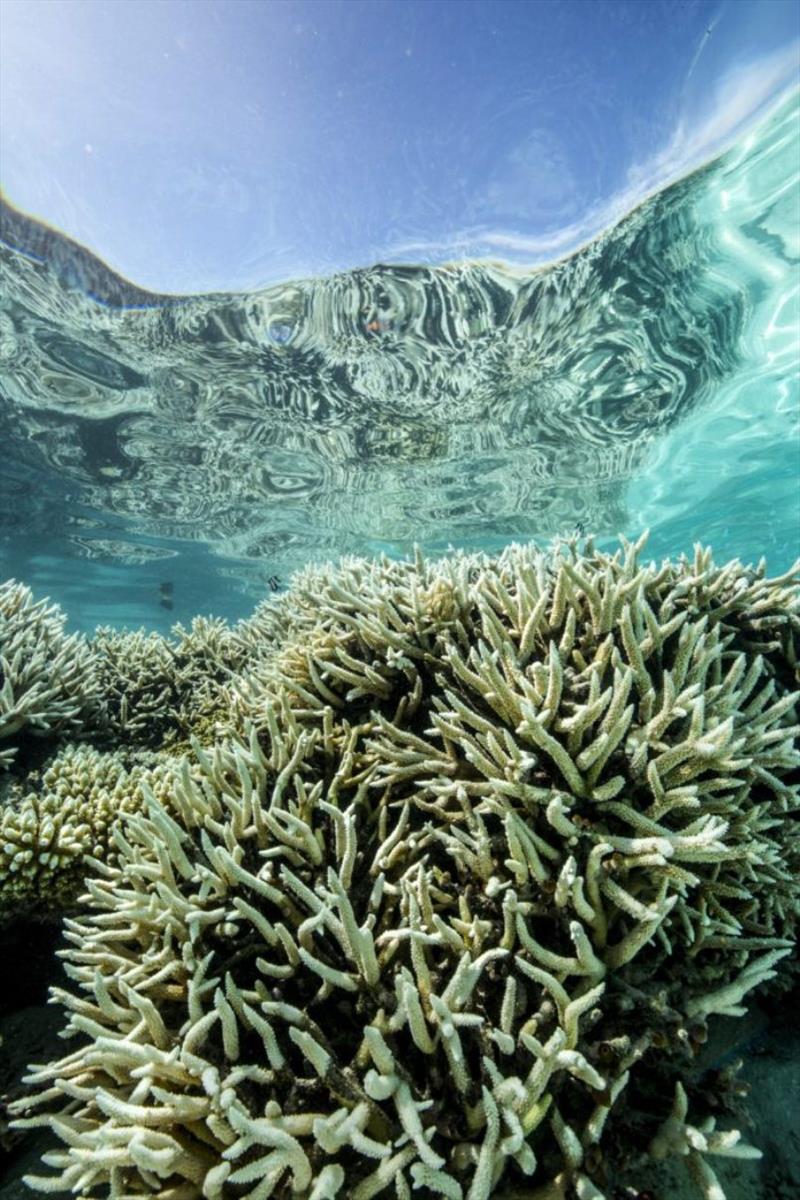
168,455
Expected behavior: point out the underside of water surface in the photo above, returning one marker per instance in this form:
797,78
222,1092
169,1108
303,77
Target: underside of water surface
164,455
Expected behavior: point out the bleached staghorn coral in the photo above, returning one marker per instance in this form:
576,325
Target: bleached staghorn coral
136,670
676,1136
208,650
136,690
48,681
156,693
207,655
57,818
495,839
158,688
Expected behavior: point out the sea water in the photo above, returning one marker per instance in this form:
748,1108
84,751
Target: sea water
164,456
169,455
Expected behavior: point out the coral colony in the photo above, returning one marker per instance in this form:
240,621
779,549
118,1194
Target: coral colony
428,879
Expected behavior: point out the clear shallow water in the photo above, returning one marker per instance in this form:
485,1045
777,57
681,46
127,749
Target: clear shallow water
214,443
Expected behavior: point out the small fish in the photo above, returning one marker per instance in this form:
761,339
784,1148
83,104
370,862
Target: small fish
378,325
274,583
165,603
167,588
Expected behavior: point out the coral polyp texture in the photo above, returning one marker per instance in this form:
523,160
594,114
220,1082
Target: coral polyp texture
479,850
58,817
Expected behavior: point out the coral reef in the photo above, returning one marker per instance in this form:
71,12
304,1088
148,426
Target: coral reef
478,851
59,817
137,676
130,693
157,690
49,684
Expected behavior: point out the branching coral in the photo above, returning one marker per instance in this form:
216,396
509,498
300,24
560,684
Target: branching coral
136,670
131,693
49,685
158,690
678,1136
59,817
485,844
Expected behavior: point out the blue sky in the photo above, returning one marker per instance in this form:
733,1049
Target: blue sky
213,144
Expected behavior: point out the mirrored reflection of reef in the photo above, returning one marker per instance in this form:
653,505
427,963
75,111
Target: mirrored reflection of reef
362,412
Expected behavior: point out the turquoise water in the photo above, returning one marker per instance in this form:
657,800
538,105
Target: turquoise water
165,456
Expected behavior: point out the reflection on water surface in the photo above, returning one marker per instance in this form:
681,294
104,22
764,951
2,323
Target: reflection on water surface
463,404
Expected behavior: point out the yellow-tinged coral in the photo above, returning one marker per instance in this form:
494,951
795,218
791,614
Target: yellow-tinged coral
482,846
128,693
61,816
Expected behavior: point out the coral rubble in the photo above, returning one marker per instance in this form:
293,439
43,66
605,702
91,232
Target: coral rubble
444,897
